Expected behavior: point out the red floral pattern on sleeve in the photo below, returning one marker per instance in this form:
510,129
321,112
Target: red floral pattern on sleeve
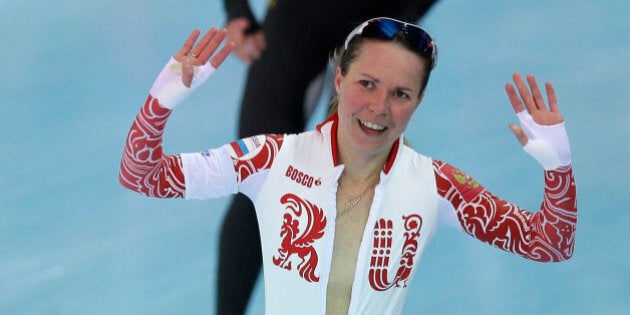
547,235
144,167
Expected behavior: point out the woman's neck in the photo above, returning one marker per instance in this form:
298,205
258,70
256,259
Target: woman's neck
360,168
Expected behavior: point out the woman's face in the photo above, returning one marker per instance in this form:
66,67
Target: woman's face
377,96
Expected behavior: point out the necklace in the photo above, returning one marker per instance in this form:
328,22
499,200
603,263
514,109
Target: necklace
351,202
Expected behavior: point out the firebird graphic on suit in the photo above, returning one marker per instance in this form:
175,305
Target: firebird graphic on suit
296,241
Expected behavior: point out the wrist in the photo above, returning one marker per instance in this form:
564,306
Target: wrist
169,89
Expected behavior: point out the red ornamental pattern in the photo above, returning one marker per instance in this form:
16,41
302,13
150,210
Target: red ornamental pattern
545,236
144,167
303,224
381,253
247,166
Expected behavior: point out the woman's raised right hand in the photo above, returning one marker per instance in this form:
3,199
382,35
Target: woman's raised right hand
195,55
191,66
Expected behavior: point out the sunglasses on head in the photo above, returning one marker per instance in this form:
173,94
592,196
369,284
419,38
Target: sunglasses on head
386,28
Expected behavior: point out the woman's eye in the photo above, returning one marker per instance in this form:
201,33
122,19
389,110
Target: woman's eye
401,94
366,83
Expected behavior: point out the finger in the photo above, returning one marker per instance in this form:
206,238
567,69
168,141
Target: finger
190,42
538,98
236,32
239,46
257,45
520,134
237,27
218,59
187,71
252,49
260,42
551,96
210,48
515,100
524,92
199,50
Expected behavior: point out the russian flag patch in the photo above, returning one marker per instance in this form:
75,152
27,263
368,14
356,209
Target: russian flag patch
241,148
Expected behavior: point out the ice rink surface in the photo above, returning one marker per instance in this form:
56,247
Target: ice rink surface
73,241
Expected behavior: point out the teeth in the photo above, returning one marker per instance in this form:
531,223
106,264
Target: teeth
373,126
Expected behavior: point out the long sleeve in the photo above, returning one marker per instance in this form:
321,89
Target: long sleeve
144,167
547,235
238,166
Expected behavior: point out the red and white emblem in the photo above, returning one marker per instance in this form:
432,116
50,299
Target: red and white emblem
380,260
303,224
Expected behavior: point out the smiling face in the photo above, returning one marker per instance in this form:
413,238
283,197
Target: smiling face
377,96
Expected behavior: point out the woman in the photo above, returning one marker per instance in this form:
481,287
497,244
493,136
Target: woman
345,211
295,34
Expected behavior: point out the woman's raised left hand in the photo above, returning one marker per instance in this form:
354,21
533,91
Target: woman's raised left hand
541,132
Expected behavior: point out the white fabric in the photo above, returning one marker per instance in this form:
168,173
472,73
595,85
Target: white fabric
549,145
209,174
168,87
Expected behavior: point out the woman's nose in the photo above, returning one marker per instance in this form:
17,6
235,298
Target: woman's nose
379,104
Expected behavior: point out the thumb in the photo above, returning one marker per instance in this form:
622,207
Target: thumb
520,134
187,71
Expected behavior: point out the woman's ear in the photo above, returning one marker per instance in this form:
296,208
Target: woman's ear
338,80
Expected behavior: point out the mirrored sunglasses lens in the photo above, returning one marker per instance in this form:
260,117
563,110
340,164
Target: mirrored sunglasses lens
415,36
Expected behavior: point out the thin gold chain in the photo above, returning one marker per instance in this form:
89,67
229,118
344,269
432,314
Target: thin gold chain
348,205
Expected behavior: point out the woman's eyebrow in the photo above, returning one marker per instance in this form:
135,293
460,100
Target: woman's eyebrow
400,88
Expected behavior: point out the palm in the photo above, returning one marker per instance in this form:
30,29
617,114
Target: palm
522,99
192,54
533,101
